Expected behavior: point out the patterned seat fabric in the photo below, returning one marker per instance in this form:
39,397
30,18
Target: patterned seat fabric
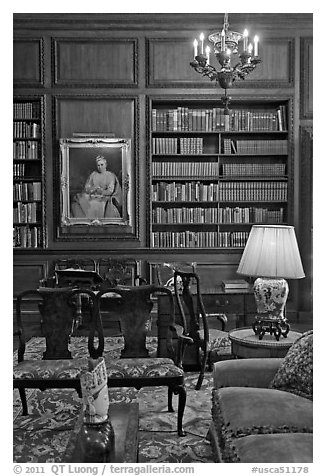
141,368
50,369
219,342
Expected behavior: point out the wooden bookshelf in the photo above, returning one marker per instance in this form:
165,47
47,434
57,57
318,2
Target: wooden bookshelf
214,175
28,173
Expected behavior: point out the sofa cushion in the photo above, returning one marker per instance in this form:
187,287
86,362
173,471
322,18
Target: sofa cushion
274,448
243,411
295,373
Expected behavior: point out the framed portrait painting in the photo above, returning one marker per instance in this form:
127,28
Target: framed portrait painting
96,184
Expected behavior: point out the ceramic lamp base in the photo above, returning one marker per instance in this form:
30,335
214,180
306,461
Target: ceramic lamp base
271,295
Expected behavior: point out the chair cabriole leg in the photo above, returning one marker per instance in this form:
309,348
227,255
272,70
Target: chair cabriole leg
23,398
170,395
181,391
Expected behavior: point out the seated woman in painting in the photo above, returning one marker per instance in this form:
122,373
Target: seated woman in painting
101,197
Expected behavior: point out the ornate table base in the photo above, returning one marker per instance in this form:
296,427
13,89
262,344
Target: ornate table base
276,327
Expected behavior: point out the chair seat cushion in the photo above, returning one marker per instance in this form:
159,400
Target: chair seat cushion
142,368
50,369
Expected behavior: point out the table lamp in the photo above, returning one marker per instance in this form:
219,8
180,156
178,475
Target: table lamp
271,255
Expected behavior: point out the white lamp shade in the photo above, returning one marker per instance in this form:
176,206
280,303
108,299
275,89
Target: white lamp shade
272,251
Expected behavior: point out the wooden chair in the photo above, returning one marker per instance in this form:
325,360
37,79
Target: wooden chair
56,368
191,307
137,367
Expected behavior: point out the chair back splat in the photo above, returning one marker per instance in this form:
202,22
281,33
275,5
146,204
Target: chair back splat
138,366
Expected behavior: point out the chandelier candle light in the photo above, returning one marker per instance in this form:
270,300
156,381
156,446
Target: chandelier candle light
226,44
271,255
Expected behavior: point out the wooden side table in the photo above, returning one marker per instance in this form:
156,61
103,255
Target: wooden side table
246,344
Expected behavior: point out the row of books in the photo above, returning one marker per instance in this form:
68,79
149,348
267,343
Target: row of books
257,146
217,215
200,239
25,149
189,192
27,191
251,121
213,119
19,170
27,237
26,212
26,110
214,216
250,215
184,215
195,145
27,130
187,119
183,145
258,170
185,169
253,191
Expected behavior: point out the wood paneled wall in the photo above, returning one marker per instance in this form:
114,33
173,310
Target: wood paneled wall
96,73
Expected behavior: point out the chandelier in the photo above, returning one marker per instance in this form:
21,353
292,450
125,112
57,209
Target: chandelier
226,46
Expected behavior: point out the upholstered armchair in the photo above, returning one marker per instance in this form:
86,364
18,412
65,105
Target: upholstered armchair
262,409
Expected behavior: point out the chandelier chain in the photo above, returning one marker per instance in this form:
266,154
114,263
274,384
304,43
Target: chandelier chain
226,22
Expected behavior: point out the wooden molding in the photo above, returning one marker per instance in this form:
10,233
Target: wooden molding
28,67
85,233
165,70
306,78
104,60
35,271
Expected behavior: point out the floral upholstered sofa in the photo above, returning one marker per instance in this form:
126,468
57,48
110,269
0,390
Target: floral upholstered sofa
262,410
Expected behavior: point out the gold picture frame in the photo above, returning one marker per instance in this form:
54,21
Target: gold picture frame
96,183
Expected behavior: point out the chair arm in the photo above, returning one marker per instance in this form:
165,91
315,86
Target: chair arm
245,372
220,317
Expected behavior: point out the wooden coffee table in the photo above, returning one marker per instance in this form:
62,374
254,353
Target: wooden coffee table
124,418
246,344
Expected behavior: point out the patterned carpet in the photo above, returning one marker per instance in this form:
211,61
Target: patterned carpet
42,436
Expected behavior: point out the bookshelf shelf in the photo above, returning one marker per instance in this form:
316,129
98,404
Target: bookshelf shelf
28,173
213,176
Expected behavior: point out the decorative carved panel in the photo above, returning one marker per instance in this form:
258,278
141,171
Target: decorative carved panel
28,62
168,64
91,115
306,78
95,62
